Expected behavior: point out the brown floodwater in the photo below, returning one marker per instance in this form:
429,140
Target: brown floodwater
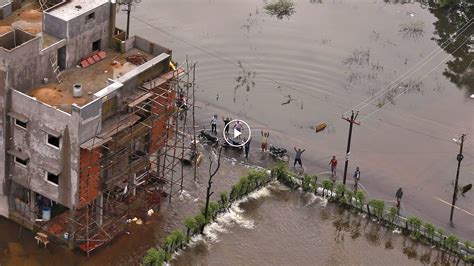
324,60
281,227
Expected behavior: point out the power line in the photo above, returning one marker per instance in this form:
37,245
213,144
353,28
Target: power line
412,70
429,72
427,121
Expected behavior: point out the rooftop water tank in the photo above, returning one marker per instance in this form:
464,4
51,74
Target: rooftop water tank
77,90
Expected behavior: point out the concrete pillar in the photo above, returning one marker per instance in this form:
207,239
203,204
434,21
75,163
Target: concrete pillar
32,206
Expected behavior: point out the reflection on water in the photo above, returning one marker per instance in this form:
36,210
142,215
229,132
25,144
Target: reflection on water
288,231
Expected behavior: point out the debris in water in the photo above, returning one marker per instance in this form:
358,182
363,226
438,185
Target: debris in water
320,127
280,8
290,99
412,30
472,96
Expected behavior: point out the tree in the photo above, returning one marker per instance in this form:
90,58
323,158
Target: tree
191,226
209,184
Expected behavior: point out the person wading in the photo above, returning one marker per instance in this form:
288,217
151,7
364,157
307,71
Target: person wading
356,178
265,136
247,148
214,124
333,164
298,157
226,123
399,196
238,127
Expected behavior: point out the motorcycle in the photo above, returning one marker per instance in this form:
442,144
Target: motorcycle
280,154
208,137
238,144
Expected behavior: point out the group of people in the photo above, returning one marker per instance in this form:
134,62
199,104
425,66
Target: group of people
298,153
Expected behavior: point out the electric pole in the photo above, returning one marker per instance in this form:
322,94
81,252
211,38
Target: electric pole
129,9
348,150
455,194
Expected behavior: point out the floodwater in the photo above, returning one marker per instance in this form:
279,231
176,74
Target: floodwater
288,75
323,60
281,227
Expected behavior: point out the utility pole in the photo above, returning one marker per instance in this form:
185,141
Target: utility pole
129,9
348,150
128,3
455,194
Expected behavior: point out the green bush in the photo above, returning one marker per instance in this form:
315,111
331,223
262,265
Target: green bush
430,231
234,193
378,207
243,186
360,197
154,257
223,200
327,184
201,221
213,209
191,226
452,243
339,190
415,225
392,214
348,197
307,183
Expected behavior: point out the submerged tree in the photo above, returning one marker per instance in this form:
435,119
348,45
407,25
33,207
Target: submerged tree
280,8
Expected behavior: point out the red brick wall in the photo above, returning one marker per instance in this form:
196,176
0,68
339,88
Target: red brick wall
89,177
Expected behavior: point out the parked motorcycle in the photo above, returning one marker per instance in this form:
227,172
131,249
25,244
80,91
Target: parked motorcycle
236,142
280,154
208,137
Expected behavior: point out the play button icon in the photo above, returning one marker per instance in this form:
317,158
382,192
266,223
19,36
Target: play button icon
241,133
237,133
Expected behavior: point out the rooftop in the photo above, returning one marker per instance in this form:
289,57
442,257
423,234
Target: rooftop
93,79
29,19
75,8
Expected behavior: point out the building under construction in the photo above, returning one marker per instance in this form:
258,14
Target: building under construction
89,120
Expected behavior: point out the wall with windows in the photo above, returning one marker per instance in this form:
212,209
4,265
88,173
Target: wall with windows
44,148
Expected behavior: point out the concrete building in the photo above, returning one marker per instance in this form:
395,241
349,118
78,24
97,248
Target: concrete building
82,116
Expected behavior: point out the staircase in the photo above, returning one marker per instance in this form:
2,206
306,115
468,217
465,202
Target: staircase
54,63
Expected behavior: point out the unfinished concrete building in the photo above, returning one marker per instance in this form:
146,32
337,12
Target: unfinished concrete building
84,113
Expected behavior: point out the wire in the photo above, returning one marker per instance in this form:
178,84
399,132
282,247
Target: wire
412,70
429,72
434,124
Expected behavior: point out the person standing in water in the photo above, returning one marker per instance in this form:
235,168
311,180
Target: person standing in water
333,164
356,178
214,124
399,196
226,123
247,148
298,156
238,127
265,136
